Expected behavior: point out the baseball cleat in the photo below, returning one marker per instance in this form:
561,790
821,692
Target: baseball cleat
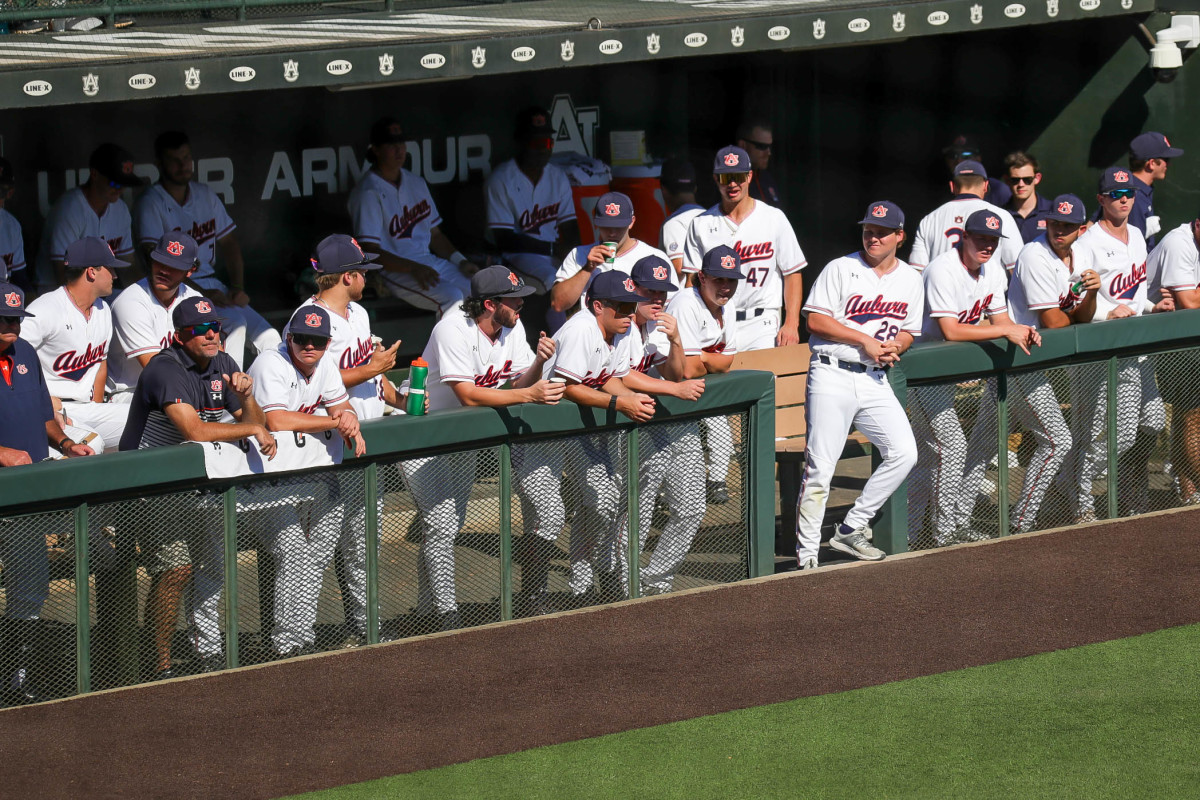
717,493
808,563
854,543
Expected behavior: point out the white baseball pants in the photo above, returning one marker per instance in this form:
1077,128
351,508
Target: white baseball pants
837,399
1037,410
451,288
441,486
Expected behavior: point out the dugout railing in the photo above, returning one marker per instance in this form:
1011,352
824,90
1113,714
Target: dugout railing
1125,392
99,521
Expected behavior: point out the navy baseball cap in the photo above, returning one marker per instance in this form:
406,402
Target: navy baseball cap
963,146
722,262
883,213
115,163
533,123
969,167
1067,208
984,222
91,251
310,320
1115,178
176,250
653,272
387,130
499,281
678,175
613,210
616,286
1152,144
341,253
194,311
731,159
12,301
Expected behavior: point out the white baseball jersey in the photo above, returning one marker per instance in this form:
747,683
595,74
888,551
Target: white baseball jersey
397,218
279,386
951,291
12,246
1122,268
582,355
942,229
202,216
1042,281
514,203
624,262
851,292
674,231
141,326
699,330
650,347
70,347
765,241
70,220
350,346
458,351
1174,263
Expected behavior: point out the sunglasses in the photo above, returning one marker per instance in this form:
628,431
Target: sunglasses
732,177
1117,194
10,320
303,340
115,185
622,309
1027,180
202,329
758,145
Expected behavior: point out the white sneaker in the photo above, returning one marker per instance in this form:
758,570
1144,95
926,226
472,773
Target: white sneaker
971,535
854,543
808,563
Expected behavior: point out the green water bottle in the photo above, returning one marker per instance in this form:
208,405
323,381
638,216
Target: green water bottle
416,387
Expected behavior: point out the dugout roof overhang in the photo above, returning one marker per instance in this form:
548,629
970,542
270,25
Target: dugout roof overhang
345,50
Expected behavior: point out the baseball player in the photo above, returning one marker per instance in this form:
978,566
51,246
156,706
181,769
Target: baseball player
530,209
181,395
94,209
612,220
141,315
1053,286
864,311
756,138
961,286
179,203
1028,208
1174,266
394,217
472,356
593,351
709,345
1150,154
28,428
942,229
12,243
672,459
342,267
301,390
678,180
71,333
770,255
1118,253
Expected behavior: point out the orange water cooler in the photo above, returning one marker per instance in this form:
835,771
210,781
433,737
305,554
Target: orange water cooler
641,184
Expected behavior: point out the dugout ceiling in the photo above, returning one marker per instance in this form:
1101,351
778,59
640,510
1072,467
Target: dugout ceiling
374,50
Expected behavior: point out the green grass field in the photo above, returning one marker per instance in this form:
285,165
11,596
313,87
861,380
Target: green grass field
1119,719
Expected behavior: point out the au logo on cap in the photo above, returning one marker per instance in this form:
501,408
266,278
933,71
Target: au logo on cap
312,320
1065,208
727,262
175,248
1121,177
13,299
731,159
612,209
628,284
879,211
203,307
992,222
660,273
513,279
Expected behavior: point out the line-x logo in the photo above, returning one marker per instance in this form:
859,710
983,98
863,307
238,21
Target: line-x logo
574,128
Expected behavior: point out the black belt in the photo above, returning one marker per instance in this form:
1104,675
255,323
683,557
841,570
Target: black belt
849,366
742,316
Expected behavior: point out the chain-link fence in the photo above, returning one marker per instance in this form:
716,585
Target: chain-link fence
1052,463
369,551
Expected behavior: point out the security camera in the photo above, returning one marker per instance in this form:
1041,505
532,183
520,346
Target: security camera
1166,56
